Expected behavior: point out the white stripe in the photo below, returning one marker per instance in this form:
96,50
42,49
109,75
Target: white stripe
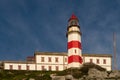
74,64
71,51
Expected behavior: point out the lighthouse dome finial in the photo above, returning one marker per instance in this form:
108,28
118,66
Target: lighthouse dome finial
73,17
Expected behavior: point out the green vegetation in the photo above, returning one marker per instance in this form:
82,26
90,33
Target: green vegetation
26,75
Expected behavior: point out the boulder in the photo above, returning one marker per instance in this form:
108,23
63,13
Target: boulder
96,74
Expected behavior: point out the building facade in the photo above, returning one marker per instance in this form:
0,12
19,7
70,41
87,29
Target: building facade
52,61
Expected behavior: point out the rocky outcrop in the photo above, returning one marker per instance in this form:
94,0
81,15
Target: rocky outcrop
66,77
114,74
58,78
96,74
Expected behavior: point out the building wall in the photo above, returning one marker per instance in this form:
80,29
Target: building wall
104,62
56,62
73,51
47,67
60,64
44,59
18,66
14,66
31,66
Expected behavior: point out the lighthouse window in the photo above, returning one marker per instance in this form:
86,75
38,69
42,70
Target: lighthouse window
75,51
73,22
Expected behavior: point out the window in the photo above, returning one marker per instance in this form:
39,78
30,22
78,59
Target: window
11,67
97,61
27,67
65,59
49,59
19,67
104,61
42,59
42,67
56,59
75,51
74,22
57,68
49,68
91,60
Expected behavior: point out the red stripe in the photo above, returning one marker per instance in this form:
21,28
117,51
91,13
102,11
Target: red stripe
74,58
74,44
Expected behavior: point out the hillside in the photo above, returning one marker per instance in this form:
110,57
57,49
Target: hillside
88,71
25,75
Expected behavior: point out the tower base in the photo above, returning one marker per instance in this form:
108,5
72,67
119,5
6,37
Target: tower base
74,65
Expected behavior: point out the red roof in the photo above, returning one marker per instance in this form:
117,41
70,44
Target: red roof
73,17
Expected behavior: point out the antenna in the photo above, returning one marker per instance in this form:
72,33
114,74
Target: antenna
114,47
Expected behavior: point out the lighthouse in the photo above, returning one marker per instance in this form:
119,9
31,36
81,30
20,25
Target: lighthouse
74,43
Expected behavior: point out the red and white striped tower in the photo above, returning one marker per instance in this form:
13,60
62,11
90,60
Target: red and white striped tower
74,43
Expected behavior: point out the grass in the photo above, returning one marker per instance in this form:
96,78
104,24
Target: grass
19,75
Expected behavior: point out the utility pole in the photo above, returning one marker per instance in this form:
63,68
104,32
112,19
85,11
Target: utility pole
114,49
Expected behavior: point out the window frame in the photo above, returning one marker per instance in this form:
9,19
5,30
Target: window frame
50,68
11,67
57,68
91,60
97,61
27,67
49,59
56,59
42,59
104,61
42,68
19,67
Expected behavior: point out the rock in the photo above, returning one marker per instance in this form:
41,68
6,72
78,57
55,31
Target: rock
114,74
104,74
68,77
96,74
31,79
58,78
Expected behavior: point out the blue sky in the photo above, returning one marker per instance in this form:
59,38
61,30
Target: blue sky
27,26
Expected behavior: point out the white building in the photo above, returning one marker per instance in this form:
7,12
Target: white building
56,61
61,61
